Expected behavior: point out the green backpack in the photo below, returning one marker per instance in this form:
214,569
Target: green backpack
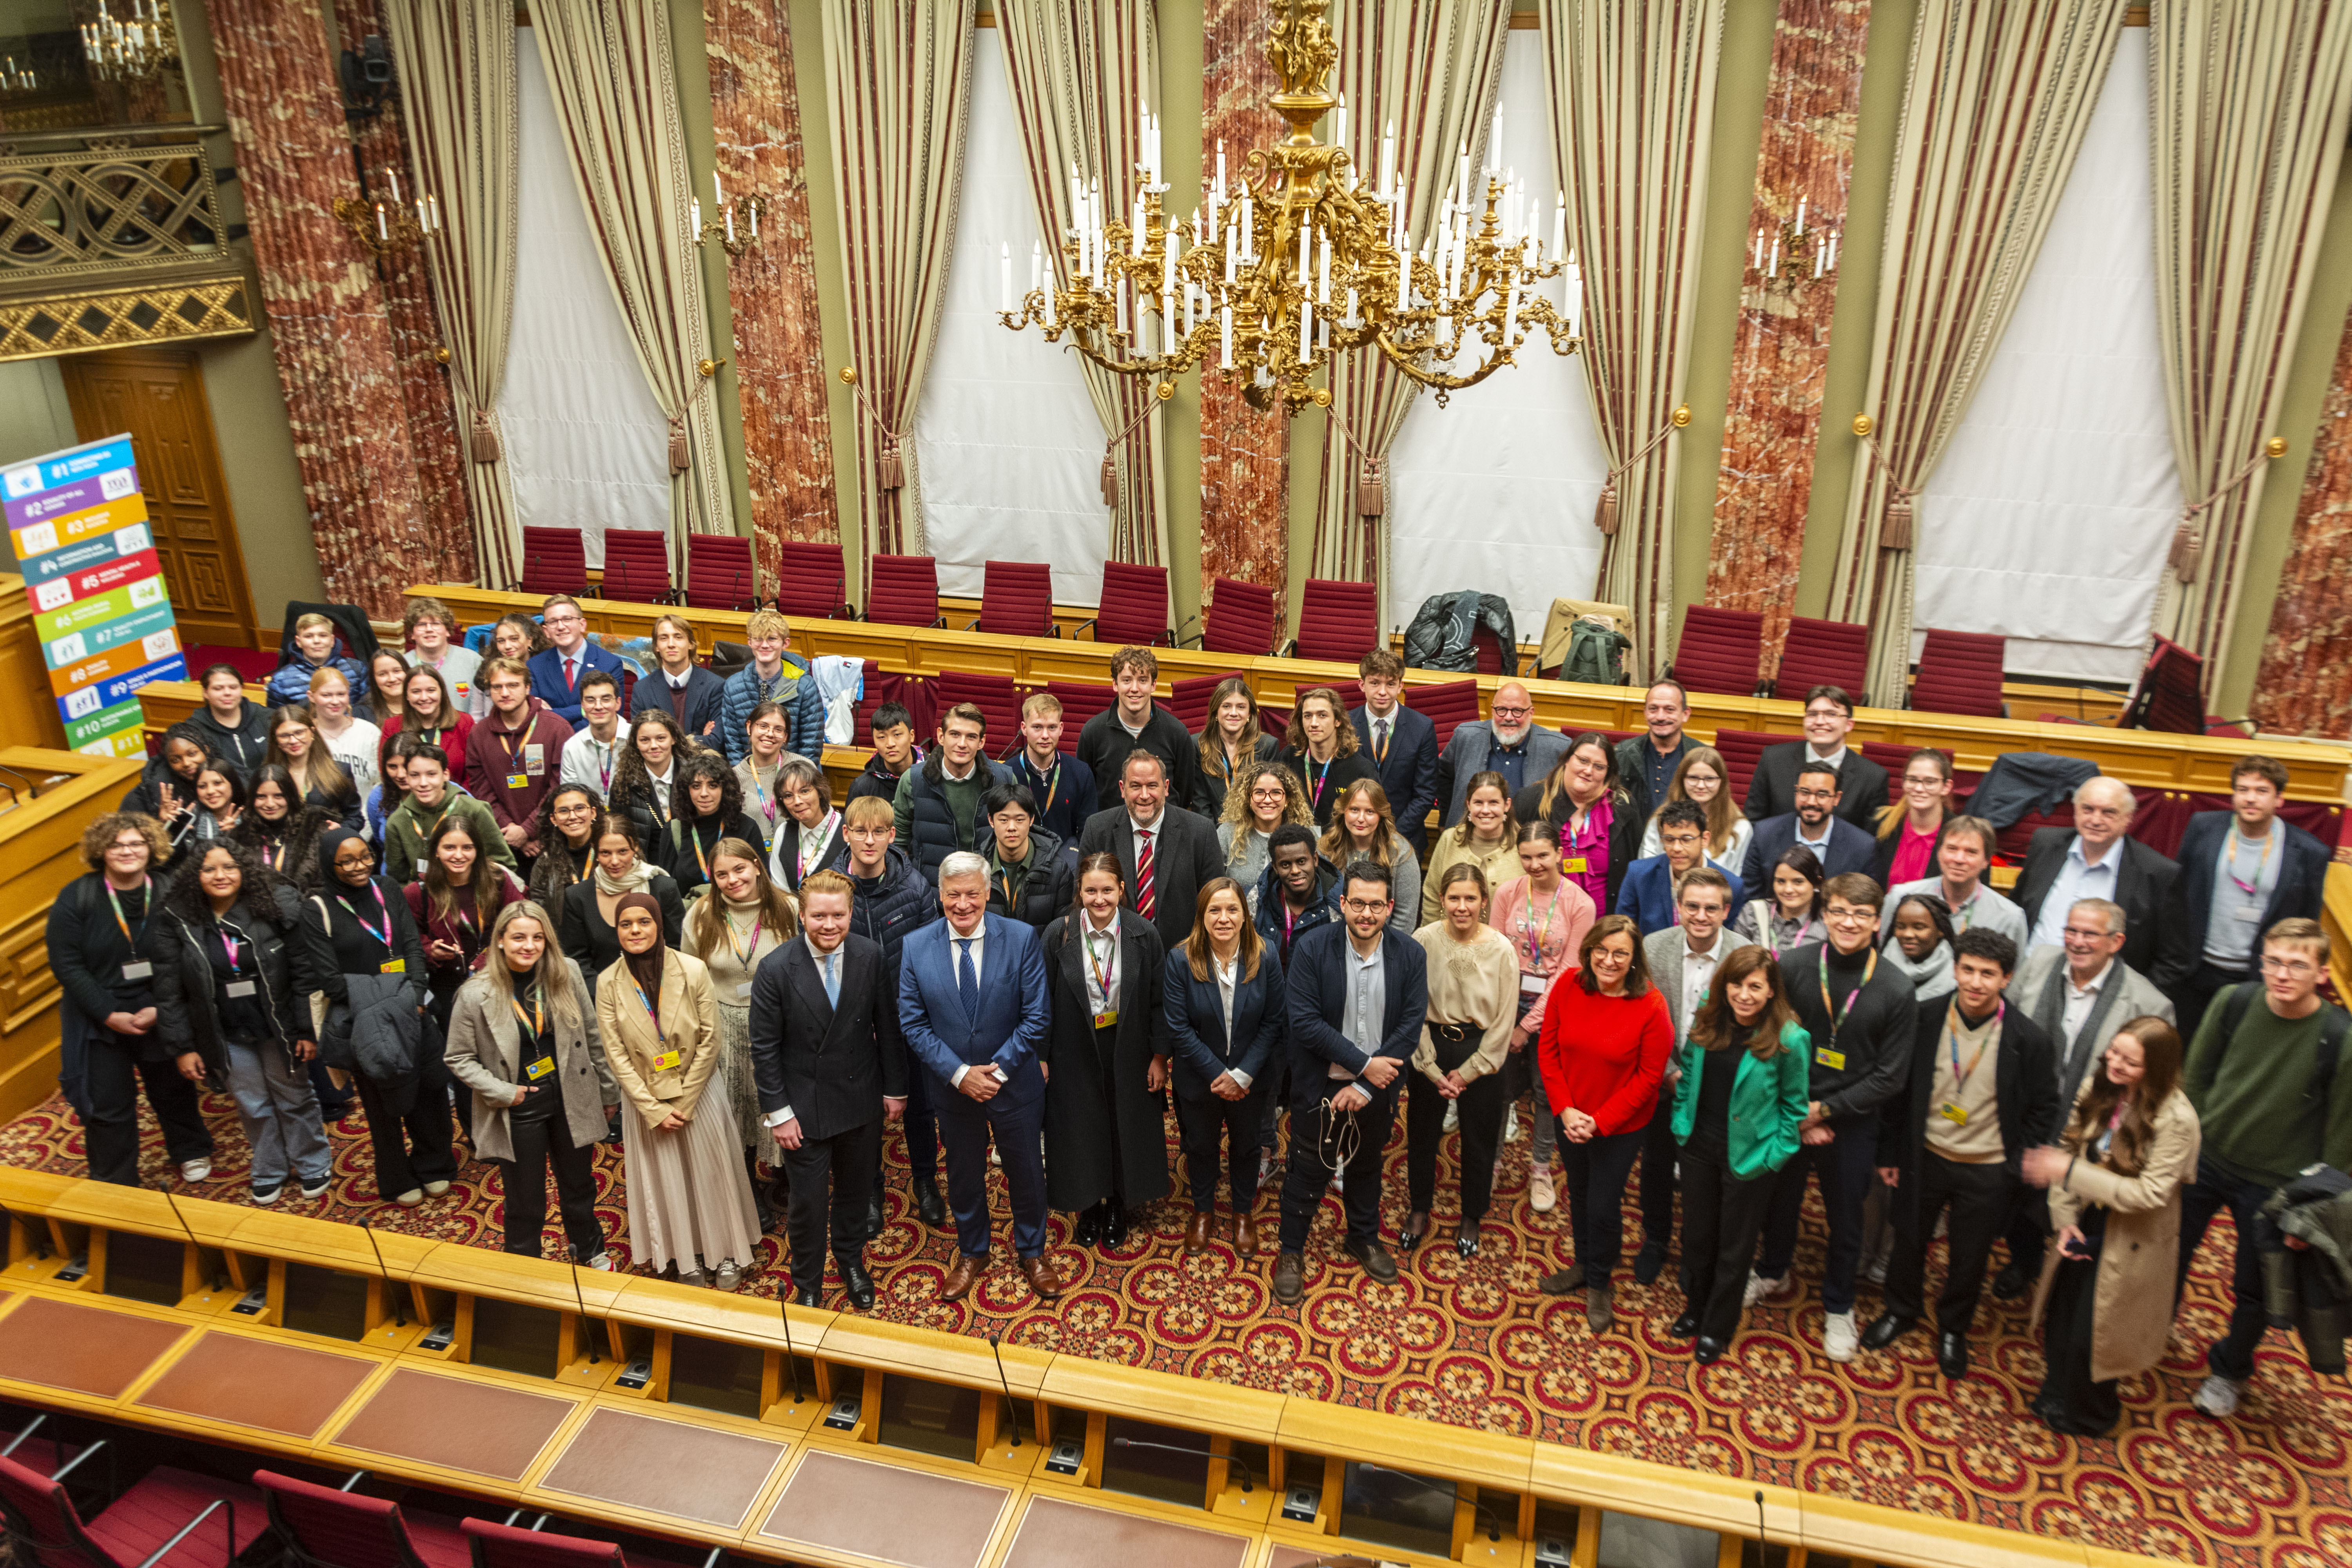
1596,655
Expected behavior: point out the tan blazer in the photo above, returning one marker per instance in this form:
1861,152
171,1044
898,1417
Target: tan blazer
690,1026
2132,1308
485,1051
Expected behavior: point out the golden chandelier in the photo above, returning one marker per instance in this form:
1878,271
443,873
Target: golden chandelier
1249,282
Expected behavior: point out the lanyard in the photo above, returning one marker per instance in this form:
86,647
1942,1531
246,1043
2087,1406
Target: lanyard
1541,932
1315,780
694,836
1795,937
1837,1015
382,909
1053,781
536,1019
603,753
1952,1040
147,888
824,832
2269,842
229,944
646,1003
760,797
742,950
1102,971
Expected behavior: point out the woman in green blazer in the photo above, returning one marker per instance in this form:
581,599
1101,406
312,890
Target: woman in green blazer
1739,1109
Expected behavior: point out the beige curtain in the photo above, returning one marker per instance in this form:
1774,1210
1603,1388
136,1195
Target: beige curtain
1078,70
609,66
456,63
2250,102
898,73
1999,94
1430,68
1633,110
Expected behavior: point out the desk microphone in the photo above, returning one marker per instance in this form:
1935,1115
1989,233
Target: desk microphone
1759,1518
31,789
1198,1452
1011,1410
399,1305
1494,1524
792,1362
593,1357
211,1282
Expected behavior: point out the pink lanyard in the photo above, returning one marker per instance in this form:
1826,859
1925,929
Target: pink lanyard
383,935
229,944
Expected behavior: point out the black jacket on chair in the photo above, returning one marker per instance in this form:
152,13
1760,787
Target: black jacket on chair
832,1064
2143,881
1772,789
2303,879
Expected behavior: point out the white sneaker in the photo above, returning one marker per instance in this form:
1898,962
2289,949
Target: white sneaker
1874,1270
1839,1339
1511,1125
2218,1396
1761,1288
1452,1116
195,1171
602,1261
1340,1175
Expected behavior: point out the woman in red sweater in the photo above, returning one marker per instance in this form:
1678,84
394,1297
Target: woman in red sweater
1603,1053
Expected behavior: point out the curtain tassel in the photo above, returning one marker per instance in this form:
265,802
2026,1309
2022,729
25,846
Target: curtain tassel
1371,489
890,468
1110,481
484,441
2183,557
680,459
1895,528
1605,516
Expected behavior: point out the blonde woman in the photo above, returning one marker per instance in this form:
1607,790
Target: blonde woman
689,1204
1474,987
744,918
1487,836
1266,795
1703,776
352,741
1363,825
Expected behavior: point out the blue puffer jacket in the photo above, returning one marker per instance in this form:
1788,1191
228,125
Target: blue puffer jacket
292,683
888,906
793,687
1323,909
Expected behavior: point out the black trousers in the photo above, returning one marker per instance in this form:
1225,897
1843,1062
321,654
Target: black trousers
1982,1198
2028,1230
1597,1170
542,1143
1659,1154
1319,1137
2231,1355
920,1127
112,1073
1209,1128
1481,1121
1847,1164
2070,1399
2196,993
411,1147
835,1172
1722,1217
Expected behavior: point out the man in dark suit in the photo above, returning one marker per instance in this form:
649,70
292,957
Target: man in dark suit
974,1006
826,1056
2241,871
1401,745
1182,848
1357,994
681,688
1510,742
2096,858
556,672
1861,784
1837,844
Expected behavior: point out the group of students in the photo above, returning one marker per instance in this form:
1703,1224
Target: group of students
664,930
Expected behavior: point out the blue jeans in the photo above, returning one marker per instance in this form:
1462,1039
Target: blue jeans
2231,1355
279,1112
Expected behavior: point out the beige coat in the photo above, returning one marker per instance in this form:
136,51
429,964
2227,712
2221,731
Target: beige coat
690,1019
2132,1309
485,1051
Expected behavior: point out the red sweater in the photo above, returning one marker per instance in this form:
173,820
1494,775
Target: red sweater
455,735
1604,1056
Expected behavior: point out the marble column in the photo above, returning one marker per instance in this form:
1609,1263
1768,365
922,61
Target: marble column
1780,351
416,330
336,360
1245,460
779,350
2305,684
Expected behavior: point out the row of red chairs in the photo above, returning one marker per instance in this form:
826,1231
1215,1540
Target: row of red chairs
1722,651
718,571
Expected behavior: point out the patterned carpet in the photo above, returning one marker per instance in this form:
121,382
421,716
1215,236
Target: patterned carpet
1477,1345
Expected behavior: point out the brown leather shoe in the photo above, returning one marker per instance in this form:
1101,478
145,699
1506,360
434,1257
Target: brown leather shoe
1040,1275
1245,1235
962,1277
1196,1235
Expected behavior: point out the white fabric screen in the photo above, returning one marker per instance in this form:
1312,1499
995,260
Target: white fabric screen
1006,440
2048,520
1496,491
586,445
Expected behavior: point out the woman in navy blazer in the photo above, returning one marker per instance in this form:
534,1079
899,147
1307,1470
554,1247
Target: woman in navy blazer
1223,1053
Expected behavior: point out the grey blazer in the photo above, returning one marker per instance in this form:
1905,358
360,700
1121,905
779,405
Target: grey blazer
1665,951
485,1050
1466,757
2138,998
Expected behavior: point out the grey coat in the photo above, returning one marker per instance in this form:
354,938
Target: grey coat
485,1052
2138,998
1466,756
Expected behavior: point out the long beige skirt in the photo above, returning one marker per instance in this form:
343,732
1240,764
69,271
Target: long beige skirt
687,1195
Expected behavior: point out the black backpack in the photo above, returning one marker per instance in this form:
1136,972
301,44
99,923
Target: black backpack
2335,1024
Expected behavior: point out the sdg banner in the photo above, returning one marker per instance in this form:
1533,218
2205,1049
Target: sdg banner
78,526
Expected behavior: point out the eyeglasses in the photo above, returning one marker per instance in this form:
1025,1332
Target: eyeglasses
1824,713
1804,793
1678,840
2288,965
1837,914
1502,712
2086,935
1358,907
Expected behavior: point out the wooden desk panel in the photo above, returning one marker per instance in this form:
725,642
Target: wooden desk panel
886,1512
95,1351
674,1468
1054,1533
457,1423
241,1381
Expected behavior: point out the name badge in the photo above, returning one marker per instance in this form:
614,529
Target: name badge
1106,1017
393,966
1576,866
2250,911
518,781
241,987
1954,1114
139,969
534,760
1826,1057
667,1062
538,1069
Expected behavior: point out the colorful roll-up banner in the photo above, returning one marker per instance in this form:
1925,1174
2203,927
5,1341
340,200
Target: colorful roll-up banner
78,525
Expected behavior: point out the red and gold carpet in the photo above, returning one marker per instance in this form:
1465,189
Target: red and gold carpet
1475,1343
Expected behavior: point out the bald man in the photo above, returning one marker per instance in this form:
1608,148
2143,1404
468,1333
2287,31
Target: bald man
2096,858
1510,742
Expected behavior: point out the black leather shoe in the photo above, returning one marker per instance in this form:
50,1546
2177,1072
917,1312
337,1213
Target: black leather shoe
1113,1224
1707,1352
929,1206
1416,1228
1466,1241
1884,1330
2010,1283
1290,1279
874,1221
1684,1328
1952,1354
1086,1229
858,1282
807,1296
1375,1259
1649,1263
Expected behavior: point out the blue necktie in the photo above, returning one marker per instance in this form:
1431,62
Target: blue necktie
967,979
832,978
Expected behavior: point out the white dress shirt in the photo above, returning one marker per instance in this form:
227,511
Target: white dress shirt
1228,976
1100,965
1698,974
2077,879
2077,1003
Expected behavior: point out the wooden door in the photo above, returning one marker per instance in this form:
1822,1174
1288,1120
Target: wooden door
158,395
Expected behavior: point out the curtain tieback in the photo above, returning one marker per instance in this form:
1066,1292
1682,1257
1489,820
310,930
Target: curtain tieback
1111,446
889,463
2189,539
484,443
1604,514
1897,524
1371,478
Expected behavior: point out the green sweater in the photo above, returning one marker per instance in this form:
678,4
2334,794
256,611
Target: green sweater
407,828
2256,1109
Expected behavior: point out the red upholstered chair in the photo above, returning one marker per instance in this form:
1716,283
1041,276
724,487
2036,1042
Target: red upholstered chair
1447,704
29,1448
995,695
2170,695
172,1518
720,575
506,1546
1823,652
1017,599
1188,699
1960,672
1081,701
637,566
911,690
1134,607
1741,749
1720,650
555,561
904,591
322,1528
810,581
1239,619
1337,620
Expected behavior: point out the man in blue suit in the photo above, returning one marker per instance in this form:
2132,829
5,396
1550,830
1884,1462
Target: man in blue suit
556,674
1401,743
974,1006
1652,884
1838,844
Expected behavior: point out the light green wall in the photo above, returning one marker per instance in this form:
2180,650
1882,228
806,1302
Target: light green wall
702,154
1180,53
34,418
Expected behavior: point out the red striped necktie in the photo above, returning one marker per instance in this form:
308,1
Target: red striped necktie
1145,904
